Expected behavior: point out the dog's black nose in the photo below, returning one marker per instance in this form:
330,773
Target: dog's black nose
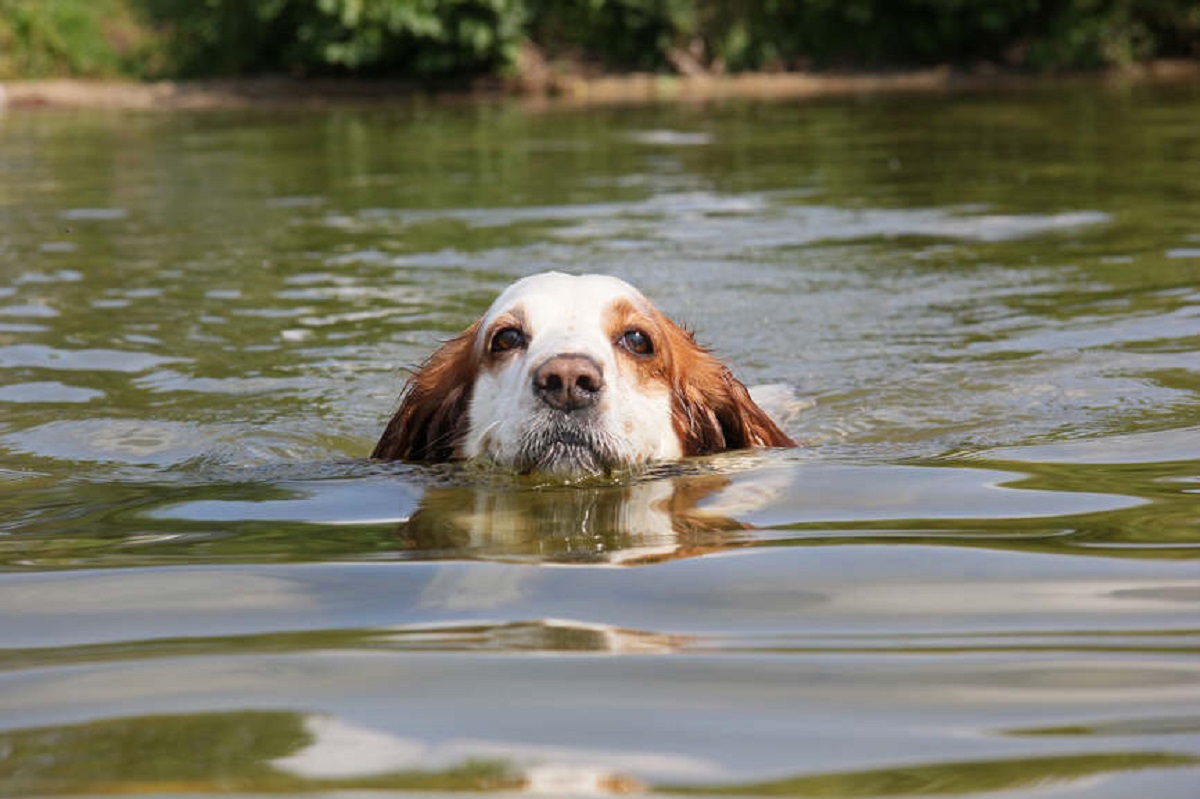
569,382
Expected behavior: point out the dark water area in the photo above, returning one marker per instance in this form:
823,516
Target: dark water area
979,576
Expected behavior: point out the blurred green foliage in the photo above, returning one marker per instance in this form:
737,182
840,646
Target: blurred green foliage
48,38
789,34
425,39
419,38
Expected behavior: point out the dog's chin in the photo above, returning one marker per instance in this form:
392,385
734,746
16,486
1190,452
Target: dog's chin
565,447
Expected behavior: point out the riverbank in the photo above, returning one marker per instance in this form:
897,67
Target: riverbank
545,89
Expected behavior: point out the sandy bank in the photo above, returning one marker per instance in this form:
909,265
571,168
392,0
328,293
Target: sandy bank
558,90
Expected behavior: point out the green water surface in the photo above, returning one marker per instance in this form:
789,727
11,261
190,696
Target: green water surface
980,312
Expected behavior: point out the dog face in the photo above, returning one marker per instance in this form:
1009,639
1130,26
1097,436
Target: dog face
573,375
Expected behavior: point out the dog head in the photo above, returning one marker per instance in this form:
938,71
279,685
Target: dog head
573,375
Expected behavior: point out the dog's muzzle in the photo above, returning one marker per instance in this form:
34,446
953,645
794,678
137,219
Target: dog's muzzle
565,444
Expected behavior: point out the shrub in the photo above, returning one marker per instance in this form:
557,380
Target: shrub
767,34
435,39
43,38
615,34
421,38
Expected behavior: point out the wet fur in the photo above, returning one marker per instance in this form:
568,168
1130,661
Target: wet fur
711,411
710,408
432,417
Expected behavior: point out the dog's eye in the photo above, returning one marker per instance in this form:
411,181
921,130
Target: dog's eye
636,342
510,338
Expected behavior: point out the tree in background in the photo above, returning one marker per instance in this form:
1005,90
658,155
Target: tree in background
737,35
440,39
420,38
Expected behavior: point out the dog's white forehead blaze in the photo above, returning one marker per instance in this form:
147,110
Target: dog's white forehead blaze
560,314
557,304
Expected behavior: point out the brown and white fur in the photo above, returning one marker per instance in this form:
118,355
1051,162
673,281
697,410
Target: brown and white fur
572,375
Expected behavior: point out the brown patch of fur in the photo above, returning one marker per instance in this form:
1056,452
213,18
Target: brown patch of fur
432,417
651,370
711,410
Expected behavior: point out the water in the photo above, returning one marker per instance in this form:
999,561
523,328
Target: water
981,312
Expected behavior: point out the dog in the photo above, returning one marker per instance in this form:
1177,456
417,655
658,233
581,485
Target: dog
569,376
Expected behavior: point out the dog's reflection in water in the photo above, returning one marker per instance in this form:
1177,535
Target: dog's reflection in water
639,522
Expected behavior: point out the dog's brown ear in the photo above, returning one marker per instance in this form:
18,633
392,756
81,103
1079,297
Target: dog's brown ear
432,417
711,410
